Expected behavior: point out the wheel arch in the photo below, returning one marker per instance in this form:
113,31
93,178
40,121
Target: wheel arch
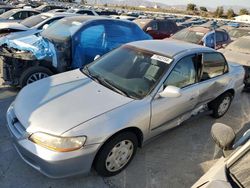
134,130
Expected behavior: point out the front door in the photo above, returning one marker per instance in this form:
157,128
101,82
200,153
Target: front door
166,110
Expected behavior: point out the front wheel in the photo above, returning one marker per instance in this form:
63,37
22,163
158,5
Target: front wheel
33,74
221,105
116,154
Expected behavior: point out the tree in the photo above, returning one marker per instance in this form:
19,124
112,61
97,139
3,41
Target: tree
243,11
219,12
203,9
230,13
191,7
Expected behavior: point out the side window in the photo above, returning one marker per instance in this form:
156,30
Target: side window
85,12
32,13
219,36
214,65
162,26
20,15
183,74
88,43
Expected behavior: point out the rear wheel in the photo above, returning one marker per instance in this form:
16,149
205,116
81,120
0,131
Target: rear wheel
221,105
34,74
116,154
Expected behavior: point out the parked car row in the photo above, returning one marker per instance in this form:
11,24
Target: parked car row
96,88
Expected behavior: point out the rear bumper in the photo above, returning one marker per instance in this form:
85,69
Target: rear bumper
50,163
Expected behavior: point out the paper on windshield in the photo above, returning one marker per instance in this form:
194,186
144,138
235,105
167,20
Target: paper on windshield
161,58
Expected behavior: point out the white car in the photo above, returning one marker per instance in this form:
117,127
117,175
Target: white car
232,171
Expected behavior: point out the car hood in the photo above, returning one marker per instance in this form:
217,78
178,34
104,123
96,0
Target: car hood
236,57
12,25
61,102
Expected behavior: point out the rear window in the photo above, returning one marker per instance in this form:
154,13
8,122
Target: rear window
189,36
34,20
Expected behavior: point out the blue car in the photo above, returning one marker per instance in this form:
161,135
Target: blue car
69,43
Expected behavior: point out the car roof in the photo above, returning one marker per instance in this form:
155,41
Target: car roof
55,14
87,18
169,47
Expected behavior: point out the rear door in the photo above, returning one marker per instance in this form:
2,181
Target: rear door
214,78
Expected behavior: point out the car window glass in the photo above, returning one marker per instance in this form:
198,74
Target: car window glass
183,74
162,26
89,43
153,25
219,37
213,65
240,170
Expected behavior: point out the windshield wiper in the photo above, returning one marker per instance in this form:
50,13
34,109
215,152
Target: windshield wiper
105,82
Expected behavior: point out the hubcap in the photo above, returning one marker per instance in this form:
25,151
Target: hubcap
224,105
36,76
119,156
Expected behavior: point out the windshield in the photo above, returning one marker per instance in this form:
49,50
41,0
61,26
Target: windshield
236,33
189,36
8,14
240,45
61,30
34,20
130,70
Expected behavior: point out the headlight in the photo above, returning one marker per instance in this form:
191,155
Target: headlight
56,143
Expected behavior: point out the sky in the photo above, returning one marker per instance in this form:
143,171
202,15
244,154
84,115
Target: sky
208,3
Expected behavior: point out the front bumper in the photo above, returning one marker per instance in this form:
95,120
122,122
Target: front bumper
50,163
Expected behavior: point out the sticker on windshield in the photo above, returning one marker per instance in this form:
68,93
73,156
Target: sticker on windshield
161,58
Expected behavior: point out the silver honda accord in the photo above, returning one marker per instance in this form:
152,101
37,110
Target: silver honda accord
99,115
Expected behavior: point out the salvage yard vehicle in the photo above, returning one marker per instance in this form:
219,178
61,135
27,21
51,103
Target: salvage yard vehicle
231,171
99,115
239,52
17,15
197,34
68,44
158,28
34,23
239,32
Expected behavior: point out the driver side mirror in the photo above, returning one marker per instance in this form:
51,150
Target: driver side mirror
11,18
45,26
171,91
223,135
97,57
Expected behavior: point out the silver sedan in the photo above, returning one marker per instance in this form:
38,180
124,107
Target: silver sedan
99,115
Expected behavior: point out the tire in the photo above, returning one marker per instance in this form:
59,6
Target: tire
221,105
103,163
26,76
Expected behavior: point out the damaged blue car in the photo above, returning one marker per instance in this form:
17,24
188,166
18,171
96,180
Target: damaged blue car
69,43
